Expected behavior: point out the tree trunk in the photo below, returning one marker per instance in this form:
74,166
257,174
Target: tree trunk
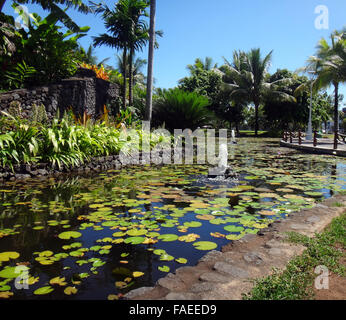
131,77
256,120
125,76
149,99
336,114
2,2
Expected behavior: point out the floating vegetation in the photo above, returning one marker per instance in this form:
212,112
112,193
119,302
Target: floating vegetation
126,228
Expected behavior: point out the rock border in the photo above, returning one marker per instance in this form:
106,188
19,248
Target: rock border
96,164
228,274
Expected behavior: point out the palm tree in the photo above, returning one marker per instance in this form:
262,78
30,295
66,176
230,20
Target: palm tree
149,99
52,7
247,80
207,65
137,65
329,64
89,56
129,34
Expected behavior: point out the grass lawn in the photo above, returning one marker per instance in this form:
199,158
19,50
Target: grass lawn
250,133
296,282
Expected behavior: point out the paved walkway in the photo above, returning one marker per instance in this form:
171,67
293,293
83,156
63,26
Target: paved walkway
226,275
324,146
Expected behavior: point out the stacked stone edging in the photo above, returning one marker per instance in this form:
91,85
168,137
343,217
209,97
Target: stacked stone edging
83,93
96,164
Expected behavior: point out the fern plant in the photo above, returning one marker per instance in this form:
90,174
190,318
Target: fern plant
21,73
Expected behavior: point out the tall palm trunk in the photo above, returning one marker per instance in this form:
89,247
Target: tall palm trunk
256,120
149,99
125,77
2,2
336,114
131,77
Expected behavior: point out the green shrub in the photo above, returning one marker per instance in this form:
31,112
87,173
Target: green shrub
177,109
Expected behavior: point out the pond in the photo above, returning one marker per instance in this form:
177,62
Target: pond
102,235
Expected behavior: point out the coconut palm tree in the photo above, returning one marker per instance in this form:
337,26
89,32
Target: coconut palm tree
150,78
247,80
329,64
52,7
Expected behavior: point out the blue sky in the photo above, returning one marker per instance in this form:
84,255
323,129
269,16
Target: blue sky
200,28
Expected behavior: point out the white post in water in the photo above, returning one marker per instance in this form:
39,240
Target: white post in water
223,156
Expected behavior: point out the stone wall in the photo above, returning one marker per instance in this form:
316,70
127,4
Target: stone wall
83,92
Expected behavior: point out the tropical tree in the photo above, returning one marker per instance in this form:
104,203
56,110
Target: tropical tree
88,56
127,32
178,109
137,65
329,66
150,77
199,65
53,7
247,80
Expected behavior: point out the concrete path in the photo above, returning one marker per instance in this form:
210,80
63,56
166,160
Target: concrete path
324,146
227,275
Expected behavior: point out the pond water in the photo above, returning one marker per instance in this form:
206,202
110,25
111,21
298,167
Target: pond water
100,236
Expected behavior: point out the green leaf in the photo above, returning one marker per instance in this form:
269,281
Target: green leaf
44,290
205,245
164,268
69,234
168,237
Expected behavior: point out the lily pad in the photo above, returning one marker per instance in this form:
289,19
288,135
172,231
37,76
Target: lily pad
168,237
6,256
134,240
44,290
205,245
164,268
69,235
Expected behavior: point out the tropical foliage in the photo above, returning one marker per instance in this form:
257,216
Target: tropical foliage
246,78
40,55
68,141
329,67
184,109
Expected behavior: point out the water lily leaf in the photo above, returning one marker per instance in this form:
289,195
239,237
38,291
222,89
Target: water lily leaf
98,263
46,253
314,194
168,237
76,254
121,284
166,257
137,232
5,288
44,290
205,217
69,234
137,274
70,290
134,240
234,236
205,245
159,252
58,281
164,268
189,237
233,228
12,272
192,224
6,294
6,256
181,260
